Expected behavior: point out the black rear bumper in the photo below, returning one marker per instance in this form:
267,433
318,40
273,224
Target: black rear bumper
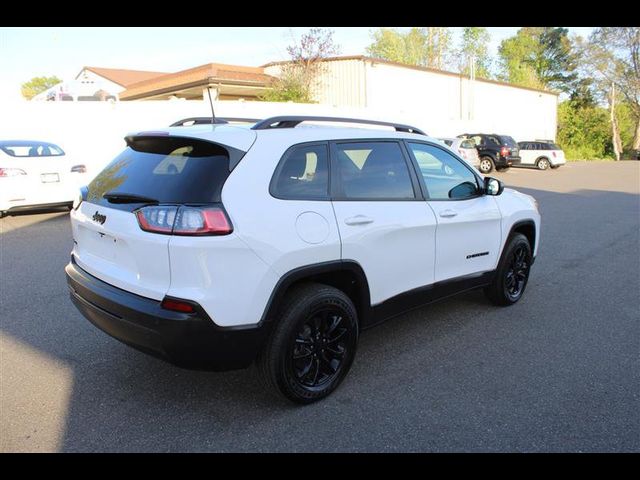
188,340
508,161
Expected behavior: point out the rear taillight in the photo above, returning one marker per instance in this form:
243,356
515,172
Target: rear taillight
79,169
202,221
504,151
11,172
184,220
157,219
554,154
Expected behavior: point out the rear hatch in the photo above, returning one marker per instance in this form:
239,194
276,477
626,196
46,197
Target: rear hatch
122,228
512,146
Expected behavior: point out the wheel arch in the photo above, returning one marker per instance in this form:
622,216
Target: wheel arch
527,228
345,275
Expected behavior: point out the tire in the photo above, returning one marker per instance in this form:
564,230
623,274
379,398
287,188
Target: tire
306,328
3,214
543,164
486,165
516,256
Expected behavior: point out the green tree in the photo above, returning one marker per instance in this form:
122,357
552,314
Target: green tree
612,58
539,57
475,44
584,131
425,47
38,85
299,76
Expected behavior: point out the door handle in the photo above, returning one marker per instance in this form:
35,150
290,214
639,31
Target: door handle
448,213
358,220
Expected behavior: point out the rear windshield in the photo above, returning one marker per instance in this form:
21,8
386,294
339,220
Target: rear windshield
467,144
509,141
25,149
552,146
169,170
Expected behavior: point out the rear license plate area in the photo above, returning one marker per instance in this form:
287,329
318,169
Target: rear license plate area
49,178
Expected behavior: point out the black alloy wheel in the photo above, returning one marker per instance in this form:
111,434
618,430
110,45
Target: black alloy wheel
313,343
512,274
320,347
517,272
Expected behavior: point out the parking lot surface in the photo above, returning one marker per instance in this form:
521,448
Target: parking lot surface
559,371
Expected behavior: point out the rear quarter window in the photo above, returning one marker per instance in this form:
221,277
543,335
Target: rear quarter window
302,174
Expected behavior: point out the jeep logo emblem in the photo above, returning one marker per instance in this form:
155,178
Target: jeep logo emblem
99,218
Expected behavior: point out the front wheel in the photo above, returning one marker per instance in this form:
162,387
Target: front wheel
486,165
312,345
512,274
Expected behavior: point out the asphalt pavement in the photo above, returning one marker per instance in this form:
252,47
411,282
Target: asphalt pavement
559,371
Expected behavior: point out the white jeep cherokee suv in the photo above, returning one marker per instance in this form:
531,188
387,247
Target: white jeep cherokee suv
215,246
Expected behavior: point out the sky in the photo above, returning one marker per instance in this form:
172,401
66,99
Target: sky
27,52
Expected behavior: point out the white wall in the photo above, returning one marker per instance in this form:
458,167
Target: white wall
446,105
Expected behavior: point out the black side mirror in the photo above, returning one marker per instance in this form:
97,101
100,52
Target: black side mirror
493,186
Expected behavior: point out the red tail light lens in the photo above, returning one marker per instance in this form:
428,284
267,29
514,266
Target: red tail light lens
202,221
79,169
177,305
554,154
11,172
184,220
504,151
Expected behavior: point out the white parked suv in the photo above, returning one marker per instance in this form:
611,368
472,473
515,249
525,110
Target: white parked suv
215,246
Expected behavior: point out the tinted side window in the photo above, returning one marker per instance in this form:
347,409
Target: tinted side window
302,174
373,170
445,176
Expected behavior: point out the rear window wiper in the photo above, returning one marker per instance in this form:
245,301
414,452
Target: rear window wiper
117,197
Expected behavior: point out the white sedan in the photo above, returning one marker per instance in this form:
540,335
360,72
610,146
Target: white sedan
37,174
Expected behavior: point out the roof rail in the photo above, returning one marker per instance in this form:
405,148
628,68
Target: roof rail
207,120
292,121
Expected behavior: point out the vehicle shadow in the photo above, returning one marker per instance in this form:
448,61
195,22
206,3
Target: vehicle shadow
123,400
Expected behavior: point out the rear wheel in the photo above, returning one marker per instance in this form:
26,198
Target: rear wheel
513,272
486,164
542,163
312,345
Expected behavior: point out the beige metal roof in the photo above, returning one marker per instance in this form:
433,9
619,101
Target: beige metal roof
123,77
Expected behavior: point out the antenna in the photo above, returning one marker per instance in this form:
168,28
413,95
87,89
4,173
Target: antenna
213,114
